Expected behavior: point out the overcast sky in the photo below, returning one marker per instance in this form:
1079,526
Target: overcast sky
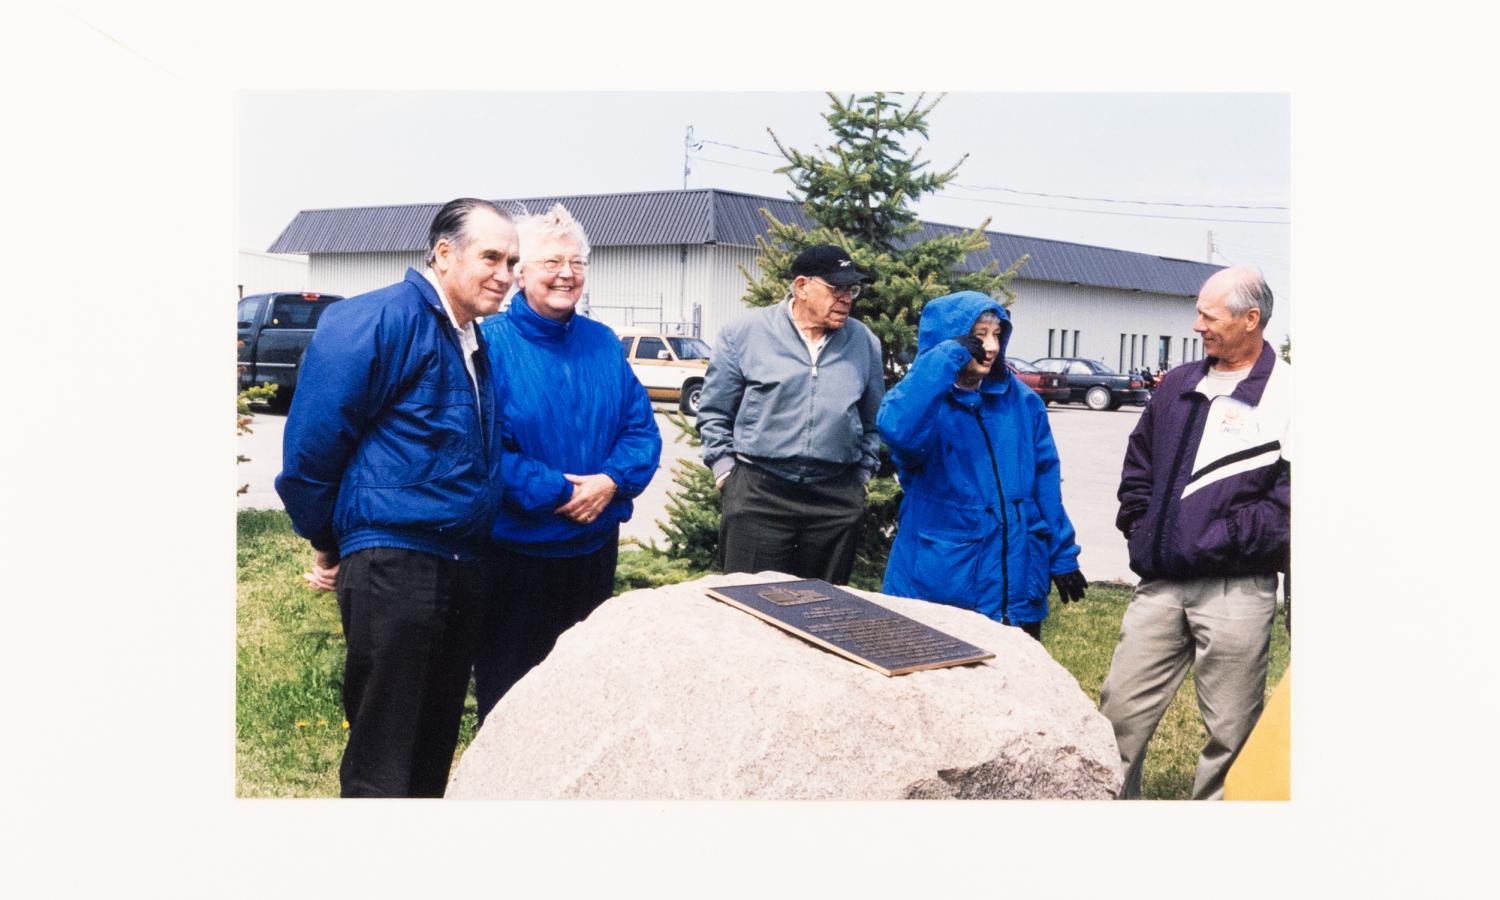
1161,170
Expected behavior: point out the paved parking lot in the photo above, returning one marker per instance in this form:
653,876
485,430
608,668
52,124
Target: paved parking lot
263,447
1091,445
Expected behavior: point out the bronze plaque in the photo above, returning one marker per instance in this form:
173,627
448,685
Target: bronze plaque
850,626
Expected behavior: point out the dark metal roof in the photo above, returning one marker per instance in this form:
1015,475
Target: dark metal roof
1068,263
711,216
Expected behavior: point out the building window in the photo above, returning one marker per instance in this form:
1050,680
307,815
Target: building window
1164,352
1184,350
1075,342
1121,366
1050,333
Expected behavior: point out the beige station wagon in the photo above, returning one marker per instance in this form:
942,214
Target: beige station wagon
671,366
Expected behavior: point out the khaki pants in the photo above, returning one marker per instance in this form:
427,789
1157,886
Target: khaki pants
1222,627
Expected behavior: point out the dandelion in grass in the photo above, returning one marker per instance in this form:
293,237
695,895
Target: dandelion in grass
301,723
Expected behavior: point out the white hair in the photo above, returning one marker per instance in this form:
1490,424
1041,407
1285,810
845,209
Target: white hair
1250,291
555,222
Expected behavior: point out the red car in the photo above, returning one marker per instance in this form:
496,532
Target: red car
1050,386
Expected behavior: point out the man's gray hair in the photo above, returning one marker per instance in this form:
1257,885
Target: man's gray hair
555,222
451,224
1250,291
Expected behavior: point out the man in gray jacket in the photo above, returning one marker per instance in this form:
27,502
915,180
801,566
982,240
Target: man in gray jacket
788,425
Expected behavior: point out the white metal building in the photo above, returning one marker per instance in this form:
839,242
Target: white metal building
261,273
672,259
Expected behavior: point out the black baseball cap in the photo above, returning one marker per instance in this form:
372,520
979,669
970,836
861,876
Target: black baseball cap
829,263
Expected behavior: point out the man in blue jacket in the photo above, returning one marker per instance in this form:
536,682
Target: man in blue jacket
787,419
1205,505
391,470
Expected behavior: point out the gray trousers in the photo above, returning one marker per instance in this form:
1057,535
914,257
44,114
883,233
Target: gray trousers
1222,627
806,530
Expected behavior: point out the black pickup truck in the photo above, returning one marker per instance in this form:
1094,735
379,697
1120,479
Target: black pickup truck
274,331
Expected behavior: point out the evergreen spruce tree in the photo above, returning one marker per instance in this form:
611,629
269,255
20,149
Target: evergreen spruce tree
858,192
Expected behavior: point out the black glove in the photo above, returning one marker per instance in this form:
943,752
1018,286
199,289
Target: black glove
972,344
1070,586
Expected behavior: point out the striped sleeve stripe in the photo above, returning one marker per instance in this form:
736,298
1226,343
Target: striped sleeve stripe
1234,463
1232,458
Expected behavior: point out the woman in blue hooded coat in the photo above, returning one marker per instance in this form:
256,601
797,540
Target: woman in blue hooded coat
982,523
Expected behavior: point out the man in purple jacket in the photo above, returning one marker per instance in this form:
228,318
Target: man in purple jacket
1205,504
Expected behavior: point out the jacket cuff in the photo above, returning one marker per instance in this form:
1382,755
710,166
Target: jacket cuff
723,465
564,492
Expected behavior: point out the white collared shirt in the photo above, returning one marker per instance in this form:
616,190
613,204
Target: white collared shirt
813,347
466,339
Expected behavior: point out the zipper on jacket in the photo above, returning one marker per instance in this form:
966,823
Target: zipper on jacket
1167,495
1004,524
463,356
482,363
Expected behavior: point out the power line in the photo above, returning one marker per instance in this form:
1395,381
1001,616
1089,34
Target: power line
1111,212
1052,196
733,147
1096,212
720,162
1260,265
1236,245
981,187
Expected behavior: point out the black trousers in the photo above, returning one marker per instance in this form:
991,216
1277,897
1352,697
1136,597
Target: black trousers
534,601
410,621
807,530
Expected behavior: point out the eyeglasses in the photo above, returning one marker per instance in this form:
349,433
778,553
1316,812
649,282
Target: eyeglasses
851,289
556,263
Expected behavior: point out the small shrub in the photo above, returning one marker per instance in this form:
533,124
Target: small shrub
243,416
648,567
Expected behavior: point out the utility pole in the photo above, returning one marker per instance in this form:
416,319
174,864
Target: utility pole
688,146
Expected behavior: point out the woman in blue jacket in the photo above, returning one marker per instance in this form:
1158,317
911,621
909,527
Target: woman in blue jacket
579,442
982,523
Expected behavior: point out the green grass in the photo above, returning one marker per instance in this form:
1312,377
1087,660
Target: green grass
1082,637
290,657
290,653
289,714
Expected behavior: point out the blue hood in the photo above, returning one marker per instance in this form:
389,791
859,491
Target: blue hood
952,315
982,522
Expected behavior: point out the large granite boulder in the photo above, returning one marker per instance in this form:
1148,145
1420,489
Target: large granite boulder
669,693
